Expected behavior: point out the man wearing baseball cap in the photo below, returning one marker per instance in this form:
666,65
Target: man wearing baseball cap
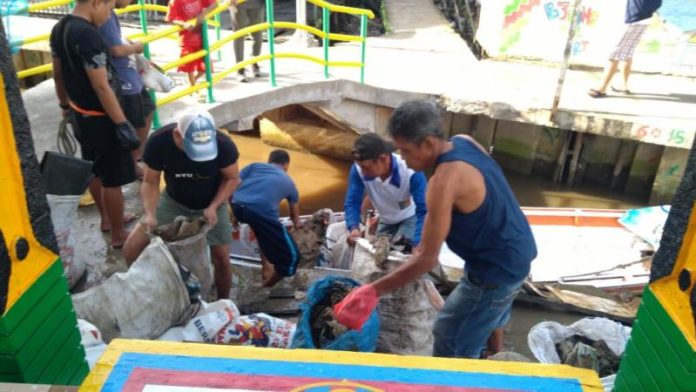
397,192
201,172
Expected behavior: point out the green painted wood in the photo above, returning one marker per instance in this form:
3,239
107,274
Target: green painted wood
49,369
43,313
80,375
661,319
644,347
642,371
27,302
64,333
627,377
60,361
76,362
10,378
47,338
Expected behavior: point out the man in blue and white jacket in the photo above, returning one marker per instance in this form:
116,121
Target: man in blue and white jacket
397,192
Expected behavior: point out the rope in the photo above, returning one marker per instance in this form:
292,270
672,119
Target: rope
66,143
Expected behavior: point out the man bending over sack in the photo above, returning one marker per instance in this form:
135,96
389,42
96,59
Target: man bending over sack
471,206
201,172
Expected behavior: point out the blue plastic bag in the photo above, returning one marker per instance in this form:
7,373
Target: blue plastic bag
364,340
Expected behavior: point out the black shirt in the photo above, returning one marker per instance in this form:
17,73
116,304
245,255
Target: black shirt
192,184
79,46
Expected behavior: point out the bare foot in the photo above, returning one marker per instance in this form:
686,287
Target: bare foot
127,218
117,242
272,280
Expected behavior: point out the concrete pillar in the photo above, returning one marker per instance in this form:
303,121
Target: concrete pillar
550,145
301,37
515,145
598,158
483,130
643,169
461,124
669,174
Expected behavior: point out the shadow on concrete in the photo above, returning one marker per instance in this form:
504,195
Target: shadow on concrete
671,97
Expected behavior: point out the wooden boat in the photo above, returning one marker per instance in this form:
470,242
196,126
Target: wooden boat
575,246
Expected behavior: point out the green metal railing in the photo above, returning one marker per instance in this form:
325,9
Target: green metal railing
213,18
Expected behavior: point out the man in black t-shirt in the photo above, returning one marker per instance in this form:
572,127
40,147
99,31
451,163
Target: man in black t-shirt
87,86
201,172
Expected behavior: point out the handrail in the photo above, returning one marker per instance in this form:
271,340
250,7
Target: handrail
211,18
342,8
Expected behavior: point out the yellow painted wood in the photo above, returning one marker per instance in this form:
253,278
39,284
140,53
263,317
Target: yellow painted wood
587,378
675,301
15,221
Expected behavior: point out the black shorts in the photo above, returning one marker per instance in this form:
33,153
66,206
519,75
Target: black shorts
274,240
137,107
111,163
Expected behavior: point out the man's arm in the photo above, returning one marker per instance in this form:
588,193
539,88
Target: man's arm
418,183
354,195
125,50
150,192
61,93
100,83
440,201
229,182
295,215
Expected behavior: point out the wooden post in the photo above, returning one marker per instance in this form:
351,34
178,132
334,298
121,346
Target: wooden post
566,59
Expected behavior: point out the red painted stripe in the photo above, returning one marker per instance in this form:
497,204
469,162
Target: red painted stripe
140,377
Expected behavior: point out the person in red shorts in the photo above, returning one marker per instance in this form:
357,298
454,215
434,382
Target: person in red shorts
191,38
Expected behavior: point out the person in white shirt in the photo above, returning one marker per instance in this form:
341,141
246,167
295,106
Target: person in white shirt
396,192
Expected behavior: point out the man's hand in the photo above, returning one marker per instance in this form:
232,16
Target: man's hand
354,235
210,215
298,225
149,223
138,47
188,26
354,310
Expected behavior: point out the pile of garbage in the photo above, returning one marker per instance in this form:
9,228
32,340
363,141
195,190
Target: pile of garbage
581,351
318,328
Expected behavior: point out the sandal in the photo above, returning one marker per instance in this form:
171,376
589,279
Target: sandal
596,93
618,90
127,218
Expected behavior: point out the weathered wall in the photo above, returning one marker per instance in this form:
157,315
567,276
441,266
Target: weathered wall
669,174
515,145
539,29
643,169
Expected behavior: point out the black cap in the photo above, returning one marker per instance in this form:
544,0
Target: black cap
370,146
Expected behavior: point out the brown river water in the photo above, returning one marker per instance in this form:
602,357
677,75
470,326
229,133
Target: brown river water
322,182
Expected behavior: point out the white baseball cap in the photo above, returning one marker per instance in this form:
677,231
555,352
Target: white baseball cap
197,129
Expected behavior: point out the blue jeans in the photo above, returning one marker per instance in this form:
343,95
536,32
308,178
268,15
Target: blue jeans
469,316
407,228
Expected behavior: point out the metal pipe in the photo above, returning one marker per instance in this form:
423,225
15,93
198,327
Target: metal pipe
271,39
206,59
327,30
363,34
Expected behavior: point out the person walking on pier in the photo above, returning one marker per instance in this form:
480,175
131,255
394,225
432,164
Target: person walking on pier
88,89
397,192
201,172
638,14
471,206
249,13
264,186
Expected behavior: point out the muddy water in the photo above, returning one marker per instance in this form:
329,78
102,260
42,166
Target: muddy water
322,182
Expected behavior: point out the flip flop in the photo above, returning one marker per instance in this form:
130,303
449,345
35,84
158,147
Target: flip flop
618,90
127,218
596,93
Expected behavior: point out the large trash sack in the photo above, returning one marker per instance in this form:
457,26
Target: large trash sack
546,338
317,310
220,322
310,237
63,214
406,315
141,303
186,241
336,253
